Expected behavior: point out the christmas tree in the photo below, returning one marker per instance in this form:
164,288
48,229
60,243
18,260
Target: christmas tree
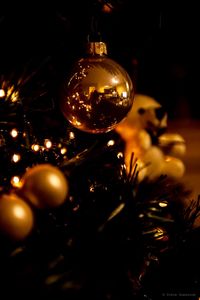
91,202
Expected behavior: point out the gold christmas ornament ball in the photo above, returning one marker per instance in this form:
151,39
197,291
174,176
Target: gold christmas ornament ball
16,217
98,94
45,186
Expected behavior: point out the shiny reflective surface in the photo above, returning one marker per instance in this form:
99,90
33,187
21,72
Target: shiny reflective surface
16,217
98,95
45,186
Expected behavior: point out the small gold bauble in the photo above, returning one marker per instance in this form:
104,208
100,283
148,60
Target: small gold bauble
16,217
98,94
45,186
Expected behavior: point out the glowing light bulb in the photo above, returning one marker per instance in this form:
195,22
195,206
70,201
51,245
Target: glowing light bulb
71,135
63,150
110,143
35,147
162,204
16,157
2,93
16,182
14,96
14,133
48,144
119,155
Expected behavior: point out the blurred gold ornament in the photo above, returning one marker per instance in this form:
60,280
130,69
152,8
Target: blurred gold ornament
16,217
45,186
99,93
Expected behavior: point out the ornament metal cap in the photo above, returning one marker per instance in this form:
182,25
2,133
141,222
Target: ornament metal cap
96,48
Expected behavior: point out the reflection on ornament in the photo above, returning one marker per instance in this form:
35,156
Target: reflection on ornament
45,186
16,217
99,93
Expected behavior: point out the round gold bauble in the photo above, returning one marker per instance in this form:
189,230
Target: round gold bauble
45,186
98,95
16,217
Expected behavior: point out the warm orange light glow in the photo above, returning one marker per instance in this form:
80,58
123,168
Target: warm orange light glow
63,150
14,133
16,157
71,135
2,93
48,144
35,147
162,204
14,96
19,212
16,182
110,143
54,180
120,155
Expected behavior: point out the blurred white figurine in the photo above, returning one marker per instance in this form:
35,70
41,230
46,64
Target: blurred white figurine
158,153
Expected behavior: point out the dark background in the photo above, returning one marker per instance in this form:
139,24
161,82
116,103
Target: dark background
157,44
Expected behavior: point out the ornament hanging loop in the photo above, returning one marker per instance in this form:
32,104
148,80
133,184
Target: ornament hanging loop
96,48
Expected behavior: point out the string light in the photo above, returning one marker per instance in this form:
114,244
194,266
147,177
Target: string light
16,182
14,96
110,143
162,204
48,144
63,150
16,157
2,93
14,133
71,135
35,147
119,155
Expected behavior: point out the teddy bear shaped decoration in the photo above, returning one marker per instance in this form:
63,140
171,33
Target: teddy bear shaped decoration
145,134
